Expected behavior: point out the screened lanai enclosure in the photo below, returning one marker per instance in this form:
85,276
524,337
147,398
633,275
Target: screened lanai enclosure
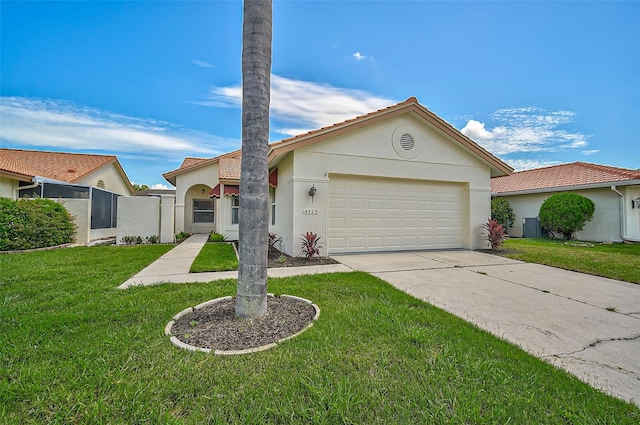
94,208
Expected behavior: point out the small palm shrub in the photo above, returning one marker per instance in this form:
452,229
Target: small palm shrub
310,245
181,236
217,237
495,233
273,239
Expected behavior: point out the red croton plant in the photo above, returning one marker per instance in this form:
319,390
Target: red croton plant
495,233
310,245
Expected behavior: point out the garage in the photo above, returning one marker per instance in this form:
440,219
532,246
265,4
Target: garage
381,214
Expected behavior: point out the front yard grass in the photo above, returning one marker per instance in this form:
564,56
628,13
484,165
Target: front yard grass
616,261
215,257
74,349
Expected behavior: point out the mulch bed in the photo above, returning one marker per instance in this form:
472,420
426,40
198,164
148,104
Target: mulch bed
216,326
278,259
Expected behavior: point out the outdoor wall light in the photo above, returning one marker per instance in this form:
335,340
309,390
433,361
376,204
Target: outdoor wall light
312,192
202,191
635,203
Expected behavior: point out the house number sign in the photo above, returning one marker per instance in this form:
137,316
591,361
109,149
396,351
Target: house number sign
310,211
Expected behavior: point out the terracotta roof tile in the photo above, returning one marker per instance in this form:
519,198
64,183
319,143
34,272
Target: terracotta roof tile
573,174
189,161
229,168
66,167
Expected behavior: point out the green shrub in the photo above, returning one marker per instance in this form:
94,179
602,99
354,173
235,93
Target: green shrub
217,237
34,223
566,213
502,212
181,236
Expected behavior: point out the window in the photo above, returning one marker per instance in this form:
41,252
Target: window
272,195
235,206
203,211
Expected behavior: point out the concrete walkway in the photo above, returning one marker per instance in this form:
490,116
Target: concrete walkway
587,325
173,267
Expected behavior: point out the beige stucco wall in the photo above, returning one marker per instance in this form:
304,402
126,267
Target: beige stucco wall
112,179
6,187
284,202
188,186
370,151
606,224
80,209
138,216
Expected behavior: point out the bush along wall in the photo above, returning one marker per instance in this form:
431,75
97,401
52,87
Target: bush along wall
34,223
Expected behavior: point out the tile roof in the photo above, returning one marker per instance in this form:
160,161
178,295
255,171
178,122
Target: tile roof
189,161
66,167
229,168
564,175
230,163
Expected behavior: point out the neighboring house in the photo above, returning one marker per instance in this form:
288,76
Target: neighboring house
399,178
614,191
155,192
88,185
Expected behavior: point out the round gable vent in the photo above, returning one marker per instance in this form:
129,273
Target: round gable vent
406,142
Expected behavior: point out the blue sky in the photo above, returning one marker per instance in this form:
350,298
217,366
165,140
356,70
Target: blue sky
536,83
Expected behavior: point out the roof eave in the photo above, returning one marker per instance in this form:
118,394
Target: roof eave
16,176
411,105
601,185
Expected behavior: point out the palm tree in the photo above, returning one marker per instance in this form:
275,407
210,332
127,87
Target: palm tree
253,215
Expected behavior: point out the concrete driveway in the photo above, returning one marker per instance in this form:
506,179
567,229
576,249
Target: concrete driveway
587,325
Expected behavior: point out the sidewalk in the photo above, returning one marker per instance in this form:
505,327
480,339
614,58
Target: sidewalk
173,267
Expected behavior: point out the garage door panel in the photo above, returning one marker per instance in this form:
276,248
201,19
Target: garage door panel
374,214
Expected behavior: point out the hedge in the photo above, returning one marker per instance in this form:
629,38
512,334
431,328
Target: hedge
34,223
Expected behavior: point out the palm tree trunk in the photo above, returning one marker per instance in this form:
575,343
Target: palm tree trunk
253,214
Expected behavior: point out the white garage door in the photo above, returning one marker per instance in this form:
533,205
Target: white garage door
375,214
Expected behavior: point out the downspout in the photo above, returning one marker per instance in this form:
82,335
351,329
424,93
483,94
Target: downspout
623,221
31,186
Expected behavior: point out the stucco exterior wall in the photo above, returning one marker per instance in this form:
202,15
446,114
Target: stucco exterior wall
112,179
284,203
370,151
188,187
80,209
605,226
6,187
138,216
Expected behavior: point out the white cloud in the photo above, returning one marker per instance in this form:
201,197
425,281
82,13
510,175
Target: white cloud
590,151
307,105
61,124
160,186
526,130
202,64
358,56
529,164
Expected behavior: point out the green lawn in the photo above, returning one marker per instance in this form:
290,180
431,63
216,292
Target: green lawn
76,350
215,257
615,261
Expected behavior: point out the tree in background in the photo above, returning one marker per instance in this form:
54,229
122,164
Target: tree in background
253,214
502,212
566,213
